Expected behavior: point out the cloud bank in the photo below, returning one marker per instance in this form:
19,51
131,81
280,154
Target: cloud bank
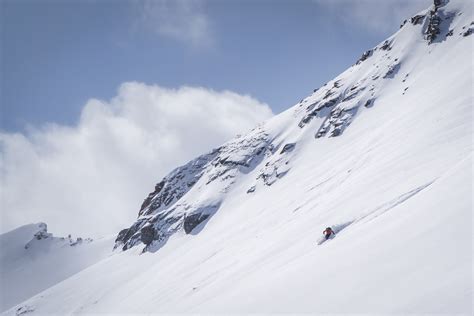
376,16
90,179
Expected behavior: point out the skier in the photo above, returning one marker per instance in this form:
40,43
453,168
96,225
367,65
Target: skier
328,232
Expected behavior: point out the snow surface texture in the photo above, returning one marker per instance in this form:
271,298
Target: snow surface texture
382,154
32,260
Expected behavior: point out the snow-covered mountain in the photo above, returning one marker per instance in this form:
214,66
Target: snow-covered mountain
382,154
32,260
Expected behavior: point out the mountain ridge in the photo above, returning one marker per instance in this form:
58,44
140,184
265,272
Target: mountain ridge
337,103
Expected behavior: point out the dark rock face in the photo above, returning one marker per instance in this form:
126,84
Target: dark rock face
387,45
417,19
287,148
148,200
433,26
147,234
42,235
369,103
339,110
318,107
468,32
392,70
176,185
336,122
191,221
364,56
435,18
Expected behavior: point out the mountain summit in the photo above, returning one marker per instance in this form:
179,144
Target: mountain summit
382,154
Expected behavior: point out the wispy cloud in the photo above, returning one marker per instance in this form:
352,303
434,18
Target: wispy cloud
373,15
92,177
182,20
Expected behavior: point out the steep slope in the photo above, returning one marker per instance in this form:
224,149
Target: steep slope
178,201
382,153
32,260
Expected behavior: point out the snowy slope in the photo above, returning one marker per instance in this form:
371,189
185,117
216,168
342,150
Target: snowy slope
382,153
32,260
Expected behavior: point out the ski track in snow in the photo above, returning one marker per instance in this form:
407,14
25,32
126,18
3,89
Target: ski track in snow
385,207
376,212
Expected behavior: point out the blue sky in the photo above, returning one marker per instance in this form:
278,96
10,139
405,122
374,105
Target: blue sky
58,54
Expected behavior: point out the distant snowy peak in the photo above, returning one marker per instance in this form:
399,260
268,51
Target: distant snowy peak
33,259
191,194
41,236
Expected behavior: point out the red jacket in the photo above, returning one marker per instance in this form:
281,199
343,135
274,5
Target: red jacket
328,231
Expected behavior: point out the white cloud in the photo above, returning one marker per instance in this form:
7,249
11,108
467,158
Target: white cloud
183,20
92,178
374,15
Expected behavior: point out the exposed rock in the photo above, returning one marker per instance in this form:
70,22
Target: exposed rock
353,94
193,220
147,234
251,189
43,233
387,45
308,117
148,200
25,309
433,26
392,70
417,19
42,236
469,30
434,22
166,210
364,56
176,184
369,103
288,147
337,121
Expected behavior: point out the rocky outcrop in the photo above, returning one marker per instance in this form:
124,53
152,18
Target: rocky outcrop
174,186
166,210
392,70
469,30
193,220
42,232
42,236
147,234
433,26
288,147
387,45
435,17
417,19
364,56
